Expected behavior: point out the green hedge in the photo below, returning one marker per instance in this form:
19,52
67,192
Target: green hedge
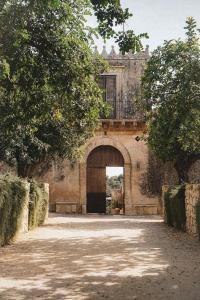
13,192
174,200
198,217
38,204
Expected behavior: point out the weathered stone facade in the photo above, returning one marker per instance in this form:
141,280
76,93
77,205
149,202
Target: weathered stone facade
68,182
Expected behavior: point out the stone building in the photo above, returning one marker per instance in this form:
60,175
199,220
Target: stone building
81,188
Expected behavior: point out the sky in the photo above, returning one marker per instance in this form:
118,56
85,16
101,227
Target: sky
161,19
114,171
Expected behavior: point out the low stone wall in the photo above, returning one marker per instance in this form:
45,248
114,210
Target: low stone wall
145,210
192,196
67,208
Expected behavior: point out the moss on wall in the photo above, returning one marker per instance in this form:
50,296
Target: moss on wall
13,191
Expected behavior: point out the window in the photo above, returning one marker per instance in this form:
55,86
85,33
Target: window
108,84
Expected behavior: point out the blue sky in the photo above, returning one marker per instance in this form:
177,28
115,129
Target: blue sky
161,19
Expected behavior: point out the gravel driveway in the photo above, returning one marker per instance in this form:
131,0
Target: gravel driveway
101,257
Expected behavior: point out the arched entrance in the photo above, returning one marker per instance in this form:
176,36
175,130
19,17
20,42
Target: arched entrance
97,161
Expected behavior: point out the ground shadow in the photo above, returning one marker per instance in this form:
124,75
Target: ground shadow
92,257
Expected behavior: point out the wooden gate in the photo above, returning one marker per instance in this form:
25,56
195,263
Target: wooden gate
98,160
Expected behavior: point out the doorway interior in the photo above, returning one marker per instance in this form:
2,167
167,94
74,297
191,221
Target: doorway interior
102,161
114,190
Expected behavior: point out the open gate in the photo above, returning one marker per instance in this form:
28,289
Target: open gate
100,158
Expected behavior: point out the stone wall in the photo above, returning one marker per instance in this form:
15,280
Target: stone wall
192,196
23,222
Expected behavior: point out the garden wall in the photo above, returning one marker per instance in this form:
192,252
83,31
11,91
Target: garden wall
191,199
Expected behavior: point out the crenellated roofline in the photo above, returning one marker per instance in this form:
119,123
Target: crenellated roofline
114,55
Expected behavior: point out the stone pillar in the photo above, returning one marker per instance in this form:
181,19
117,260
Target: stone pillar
45,188
23,225
127,190
192,196
83,187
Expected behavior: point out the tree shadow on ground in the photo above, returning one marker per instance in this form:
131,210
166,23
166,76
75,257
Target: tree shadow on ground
101,258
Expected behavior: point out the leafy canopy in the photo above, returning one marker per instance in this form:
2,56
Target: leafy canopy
110,14
171,87
49,100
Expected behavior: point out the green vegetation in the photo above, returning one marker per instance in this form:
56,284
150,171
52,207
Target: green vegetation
116,204
49,98
171,89
13,193
113,182
109,14
198,217
38,205
174,201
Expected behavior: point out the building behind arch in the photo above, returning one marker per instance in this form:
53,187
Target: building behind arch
68,183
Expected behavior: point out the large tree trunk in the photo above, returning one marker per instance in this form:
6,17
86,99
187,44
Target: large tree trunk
22,170
25,170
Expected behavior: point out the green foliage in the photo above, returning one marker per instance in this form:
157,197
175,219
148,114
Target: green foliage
12,199
110,14
198,217
114,182
152,180
49,99
38,205
171,89
116,204
174,201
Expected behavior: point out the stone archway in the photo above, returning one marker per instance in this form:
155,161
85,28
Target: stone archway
105,141
99,158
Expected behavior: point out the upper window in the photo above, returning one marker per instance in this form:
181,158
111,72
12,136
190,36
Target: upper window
108,84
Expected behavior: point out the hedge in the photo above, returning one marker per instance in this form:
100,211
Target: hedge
13,196
198,217
38,204
174,200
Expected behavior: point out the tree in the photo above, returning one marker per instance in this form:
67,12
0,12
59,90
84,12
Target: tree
109,14
49,100
113,182
171,87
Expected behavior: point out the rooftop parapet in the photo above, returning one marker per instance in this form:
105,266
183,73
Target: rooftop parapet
114,55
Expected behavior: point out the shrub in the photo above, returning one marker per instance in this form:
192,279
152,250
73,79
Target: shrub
38,204
116,204
198,217
174,201
13,193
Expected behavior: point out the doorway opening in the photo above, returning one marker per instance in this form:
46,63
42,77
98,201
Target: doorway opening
114,190
103,161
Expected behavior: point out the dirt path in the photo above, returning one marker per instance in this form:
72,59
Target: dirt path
93,258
